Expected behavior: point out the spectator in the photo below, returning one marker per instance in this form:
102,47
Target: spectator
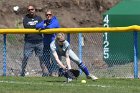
50,22
60,47
33,42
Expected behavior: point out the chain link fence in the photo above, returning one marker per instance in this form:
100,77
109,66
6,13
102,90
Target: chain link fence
92,56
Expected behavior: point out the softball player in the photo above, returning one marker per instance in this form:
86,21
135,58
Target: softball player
61,47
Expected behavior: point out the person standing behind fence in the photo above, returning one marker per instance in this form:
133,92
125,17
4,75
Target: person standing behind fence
61,47
33,42
50,22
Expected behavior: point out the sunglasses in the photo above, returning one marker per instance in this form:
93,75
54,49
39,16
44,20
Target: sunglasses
61,41
31,9
48,14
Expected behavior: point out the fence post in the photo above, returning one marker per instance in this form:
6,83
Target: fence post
135,54
80,47
68,37
4,55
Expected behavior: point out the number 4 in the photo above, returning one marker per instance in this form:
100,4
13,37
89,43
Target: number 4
106,20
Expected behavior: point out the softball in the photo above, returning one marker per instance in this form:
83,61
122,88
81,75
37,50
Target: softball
16,8
83,81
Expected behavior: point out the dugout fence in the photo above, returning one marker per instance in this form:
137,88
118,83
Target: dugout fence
86,42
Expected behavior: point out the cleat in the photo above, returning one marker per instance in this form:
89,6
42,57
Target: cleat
90,76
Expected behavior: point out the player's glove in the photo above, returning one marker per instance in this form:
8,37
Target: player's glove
72,73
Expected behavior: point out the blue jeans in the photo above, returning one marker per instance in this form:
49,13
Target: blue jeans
29,48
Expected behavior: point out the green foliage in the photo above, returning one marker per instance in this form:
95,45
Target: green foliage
57,85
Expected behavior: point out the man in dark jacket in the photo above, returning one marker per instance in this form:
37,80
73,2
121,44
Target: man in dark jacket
50,22
33,42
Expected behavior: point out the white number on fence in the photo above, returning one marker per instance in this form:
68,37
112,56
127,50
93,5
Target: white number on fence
106,42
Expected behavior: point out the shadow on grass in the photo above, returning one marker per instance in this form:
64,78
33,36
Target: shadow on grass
55,81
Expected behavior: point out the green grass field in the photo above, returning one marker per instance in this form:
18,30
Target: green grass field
57,85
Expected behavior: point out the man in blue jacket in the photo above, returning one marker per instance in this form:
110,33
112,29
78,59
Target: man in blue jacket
50,22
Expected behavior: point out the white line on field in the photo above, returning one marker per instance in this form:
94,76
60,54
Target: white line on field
51,84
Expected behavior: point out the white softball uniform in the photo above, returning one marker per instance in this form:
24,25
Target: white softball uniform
61,51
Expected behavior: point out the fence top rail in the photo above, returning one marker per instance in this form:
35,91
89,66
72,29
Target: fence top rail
72,30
